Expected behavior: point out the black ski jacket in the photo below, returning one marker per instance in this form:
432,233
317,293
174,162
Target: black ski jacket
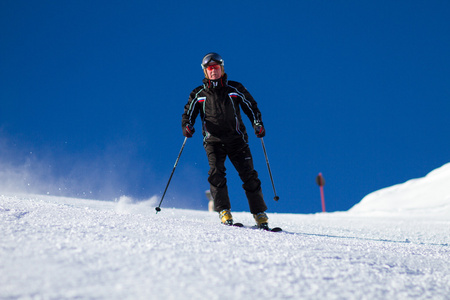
218,103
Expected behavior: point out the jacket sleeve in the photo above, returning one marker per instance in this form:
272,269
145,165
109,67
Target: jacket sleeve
191,110
249,106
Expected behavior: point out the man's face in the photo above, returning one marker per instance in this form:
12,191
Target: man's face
214,72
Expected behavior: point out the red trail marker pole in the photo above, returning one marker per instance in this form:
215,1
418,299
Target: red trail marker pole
321,182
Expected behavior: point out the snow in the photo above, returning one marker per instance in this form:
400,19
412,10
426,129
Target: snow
428,196
394,244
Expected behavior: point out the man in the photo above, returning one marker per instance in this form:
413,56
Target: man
219,103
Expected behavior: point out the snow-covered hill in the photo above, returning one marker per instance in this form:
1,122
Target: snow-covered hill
65,248
427,196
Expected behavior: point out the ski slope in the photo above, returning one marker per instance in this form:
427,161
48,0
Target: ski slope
66,248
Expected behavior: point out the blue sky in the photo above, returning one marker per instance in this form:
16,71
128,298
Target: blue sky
92,94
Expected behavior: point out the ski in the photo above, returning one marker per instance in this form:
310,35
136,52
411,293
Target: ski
274,229
234,225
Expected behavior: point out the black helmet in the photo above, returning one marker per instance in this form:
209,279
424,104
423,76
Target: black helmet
211,57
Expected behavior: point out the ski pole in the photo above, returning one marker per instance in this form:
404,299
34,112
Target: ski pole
276,198
158,208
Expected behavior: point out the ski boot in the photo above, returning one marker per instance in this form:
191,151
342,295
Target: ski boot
262,221
226,217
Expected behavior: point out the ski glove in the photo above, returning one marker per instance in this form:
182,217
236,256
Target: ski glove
259,130
188,131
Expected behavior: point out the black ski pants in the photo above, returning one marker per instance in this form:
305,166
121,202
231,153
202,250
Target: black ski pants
239,154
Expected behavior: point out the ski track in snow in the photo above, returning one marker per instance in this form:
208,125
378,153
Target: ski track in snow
63,248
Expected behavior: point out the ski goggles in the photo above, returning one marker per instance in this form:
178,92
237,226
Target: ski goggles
212,67
211,57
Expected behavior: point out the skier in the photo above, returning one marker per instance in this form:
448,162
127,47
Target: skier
224,135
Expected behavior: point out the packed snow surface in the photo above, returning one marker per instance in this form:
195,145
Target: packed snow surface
65,248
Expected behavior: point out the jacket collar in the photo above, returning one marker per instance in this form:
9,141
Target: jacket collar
214,84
